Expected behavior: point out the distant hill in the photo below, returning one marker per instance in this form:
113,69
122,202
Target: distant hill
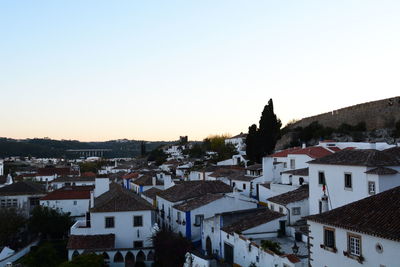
58,148
371,121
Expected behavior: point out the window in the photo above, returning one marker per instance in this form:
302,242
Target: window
296,211
329,237
347,181
198,219
75,202
137,221
233,184
109,221
244,186
280,209
371,188
292,164
137,244
321,178
285,165
354,244
272,207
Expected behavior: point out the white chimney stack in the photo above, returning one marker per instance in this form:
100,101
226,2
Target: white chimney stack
101,186
154,180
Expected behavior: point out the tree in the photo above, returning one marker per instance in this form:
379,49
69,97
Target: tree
49,222
158,156
85,260
43,256
216,143
143,148
271,245
11,223
170,249
252,147
262,141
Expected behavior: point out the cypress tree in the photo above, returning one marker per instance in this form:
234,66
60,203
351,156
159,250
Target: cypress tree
261,141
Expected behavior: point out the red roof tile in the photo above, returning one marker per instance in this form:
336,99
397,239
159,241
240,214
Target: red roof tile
284,153
132,175
74,192
314,152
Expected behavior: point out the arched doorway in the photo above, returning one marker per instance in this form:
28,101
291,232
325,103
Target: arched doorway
150,256
118,257
129,259
106,259
75,254
208,246
140,257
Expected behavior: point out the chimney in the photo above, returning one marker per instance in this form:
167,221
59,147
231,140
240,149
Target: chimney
324,202
303,145
91,199
154,180
101,186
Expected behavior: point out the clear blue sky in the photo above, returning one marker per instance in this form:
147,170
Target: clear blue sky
99,70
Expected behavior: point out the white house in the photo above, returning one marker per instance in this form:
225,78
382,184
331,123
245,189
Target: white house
363,233
236,237
146,182
71,181
351,175
187,217
22,195
72,199
293,204
181,192
239,141
119,226
49,174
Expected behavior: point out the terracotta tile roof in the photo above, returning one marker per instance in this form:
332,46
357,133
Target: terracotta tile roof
299,194
334,148
146,180
53,171
88,174
382,171
261,216
22,188
227,172
359,157
73,179
197,202
3,179
243,178
300,172
119,199
132,175
192,189
69,192
254,167
241,135
314,152
284,153
152,192
91,242
375,215
393,152
292,258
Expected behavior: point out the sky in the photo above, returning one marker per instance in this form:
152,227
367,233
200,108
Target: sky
155,70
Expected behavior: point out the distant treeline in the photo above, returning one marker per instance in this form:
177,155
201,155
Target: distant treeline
48,148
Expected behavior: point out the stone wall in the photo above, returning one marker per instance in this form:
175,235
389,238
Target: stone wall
376,114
